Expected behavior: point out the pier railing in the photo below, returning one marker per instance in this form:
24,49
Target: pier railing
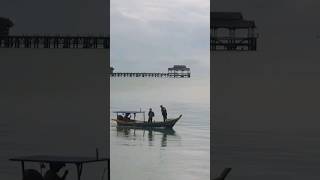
155,75
55,41
233,43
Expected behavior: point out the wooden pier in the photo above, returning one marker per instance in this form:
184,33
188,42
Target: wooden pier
55,42
177,71
150,75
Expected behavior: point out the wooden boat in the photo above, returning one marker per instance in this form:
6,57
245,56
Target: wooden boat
127,122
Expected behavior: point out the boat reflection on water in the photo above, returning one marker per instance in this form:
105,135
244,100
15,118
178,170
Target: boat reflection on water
149,133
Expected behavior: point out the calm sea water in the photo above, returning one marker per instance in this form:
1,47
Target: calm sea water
266,122
52,103
267,154
183,153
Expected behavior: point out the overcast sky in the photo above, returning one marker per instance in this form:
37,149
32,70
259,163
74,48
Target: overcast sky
57,16
152,35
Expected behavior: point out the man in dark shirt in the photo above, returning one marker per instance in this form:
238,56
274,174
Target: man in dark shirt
151,115
164,113
52,173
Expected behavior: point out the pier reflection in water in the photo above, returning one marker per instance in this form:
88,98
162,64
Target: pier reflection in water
129,133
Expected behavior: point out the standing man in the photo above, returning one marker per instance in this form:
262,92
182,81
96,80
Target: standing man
164,113
151,115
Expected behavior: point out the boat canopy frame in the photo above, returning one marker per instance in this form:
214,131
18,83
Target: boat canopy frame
78,161
132,112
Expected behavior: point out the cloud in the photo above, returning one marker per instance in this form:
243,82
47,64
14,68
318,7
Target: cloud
152,35
165,10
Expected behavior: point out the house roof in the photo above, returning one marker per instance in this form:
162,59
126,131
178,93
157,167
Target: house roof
243,24
230,20
179,68
226,15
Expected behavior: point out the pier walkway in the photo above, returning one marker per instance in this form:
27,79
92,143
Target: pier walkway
155,75
56,41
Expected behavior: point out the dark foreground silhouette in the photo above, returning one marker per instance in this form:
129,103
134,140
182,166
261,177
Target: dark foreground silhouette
224,174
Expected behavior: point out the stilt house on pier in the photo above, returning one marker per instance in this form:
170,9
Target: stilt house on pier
179,69
229,31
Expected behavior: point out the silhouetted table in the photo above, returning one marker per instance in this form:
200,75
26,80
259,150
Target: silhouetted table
78,161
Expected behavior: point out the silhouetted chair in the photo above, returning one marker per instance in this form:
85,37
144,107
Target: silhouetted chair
31,174
224,174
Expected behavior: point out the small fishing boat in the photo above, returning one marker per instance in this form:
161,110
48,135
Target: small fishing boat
126,121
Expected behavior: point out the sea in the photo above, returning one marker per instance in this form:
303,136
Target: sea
266,121
267,154
273,135
53,103
177,154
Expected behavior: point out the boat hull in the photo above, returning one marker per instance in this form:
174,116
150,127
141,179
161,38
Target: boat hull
168,124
